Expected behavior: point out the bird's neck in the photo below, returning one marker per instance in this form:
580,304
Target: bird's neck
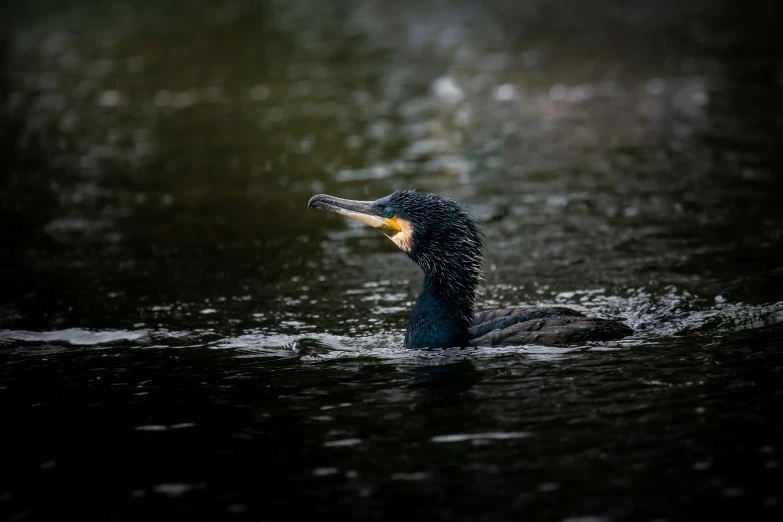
443,311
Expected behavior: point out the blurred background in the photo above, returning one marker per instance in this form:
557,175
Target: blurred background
173,321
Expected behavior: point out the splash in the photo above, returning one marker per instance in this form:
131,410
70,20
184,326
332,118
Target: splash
652,320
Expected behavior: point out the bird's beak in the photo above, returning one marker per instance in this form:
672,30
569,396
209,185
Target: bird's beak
365,211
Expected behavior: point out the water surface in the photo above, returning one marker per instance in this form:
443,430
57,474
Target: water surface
180,337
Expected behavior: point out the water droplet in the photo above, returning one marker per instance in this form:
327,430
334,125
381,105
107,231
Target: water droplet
323,472
655,86
505,92
260,92
109,98
447,90
558,92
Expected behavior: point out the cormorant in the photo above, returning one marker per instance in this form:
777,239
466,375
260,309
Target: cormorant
444,239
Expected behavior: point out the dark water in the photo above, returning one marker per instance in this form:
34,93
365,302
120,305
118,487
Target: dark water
180,338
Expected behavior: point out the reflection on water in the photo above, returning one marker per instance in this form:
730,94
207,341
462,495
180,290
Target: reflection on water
180,335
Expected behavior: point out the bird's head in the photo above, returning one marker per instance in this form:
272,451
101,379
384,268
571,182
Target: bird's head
440,235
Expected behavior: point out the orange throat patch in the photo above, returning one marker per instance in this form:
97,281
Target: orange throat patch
404,238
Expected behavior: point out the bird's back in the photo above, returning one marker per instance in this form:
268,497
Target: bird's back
554,326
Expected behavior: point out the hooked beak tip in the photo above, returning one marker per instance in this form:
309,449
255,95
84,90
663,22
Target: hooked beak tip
313,203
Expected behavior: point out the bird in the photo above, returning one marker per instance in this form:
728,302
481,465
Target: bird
444,239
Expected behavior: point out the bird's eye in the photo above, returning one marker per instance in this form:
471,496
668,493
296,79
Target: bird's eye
389,212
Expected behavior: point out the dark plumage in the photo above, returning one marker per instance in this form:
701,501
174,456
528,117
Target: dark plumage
444,239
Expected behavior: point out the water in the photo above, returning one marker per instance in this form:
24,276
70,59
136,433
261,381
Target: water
180,337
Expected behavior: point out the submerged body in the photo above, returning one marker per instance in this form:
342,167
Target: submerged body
443,238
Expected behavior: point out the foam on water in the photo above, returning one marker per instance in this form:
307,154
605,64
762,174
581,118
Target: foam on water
73,336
